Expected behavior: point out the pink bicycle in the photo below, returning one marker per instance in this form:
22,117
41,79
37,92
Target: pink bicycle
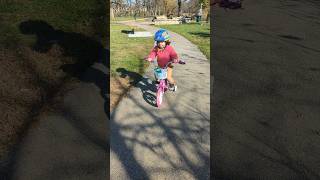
161,77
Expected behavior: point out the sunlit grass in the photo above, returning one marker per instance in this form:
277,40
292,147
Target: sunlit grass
128,52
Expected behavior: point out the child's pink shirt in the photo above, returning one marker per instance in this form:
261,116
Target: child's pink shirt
163,56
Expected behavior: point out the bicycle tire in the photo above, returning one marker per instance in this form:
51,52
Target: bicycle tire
160,93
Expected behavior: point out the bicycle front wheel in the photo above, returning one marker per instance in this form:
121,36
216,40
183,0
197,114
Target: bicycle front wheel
160,93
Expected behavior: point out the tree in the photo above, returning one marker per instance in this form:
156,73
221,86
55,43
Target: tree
179,7
206,8
205,3
169,7
111,13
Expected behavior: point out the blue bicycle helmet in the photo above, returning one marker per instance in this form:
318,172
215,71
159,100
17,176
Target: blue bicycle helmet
161,35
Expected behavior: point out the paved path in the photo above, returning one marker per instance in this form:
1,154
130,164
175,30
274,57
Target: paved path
266,67
71,143
168,143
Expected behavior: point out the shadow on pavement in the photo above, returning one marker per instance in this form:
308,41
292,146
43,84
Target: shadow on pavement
170,133
147,86
123,146
264,116
171,141
85,52
237,38
290,37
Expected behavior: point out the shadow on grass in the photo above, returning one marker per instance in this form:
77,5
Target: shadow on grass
84,49
201,34
128,31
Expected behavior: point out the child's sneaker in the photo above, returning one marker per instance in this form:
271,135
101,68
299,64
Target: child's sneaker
172,87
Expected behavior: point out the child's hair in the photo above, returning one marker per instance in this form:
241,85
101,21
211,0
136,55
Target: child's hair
167,43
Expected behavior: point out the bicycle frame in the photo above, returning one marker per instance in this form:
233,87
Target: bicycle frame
162,87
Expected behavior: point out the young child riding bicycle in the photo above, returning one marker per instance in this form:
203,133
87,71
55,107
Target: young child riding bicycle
164,53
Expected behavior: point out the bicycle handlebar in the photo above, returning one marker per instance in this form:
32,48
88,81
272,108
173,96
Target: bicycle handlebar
180,62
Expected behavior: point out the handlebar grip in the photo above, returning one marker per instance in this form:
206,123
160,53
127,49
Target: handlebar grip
182,62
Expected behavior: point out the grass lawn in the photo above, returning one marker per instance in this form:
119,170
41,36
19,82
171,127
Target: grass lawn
83,16
128,52
196,33
126,58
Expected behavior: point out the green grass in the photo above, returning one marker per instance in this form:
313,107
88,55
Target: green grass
74,16
128,53
196,33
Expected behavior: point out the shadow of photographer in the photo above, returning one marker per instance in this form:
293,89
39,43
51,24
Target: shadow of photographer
90,66
84,49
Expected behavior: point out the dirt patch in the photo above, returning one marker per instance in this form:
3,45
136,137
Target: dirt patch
28,80
118,89
18,93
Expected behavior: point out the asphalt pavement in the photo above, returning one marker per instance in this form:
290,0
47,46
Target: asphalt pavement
266,111
70,142
172,142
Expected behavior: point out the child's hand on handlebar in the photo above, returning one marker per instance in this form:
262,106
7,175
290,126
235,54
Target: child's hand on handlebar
182,62
178,61
148,59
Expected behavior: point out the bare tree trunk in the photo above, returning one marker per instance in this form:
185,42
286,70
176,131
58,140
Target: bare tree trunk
179,7
111,13
165,6
156,8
